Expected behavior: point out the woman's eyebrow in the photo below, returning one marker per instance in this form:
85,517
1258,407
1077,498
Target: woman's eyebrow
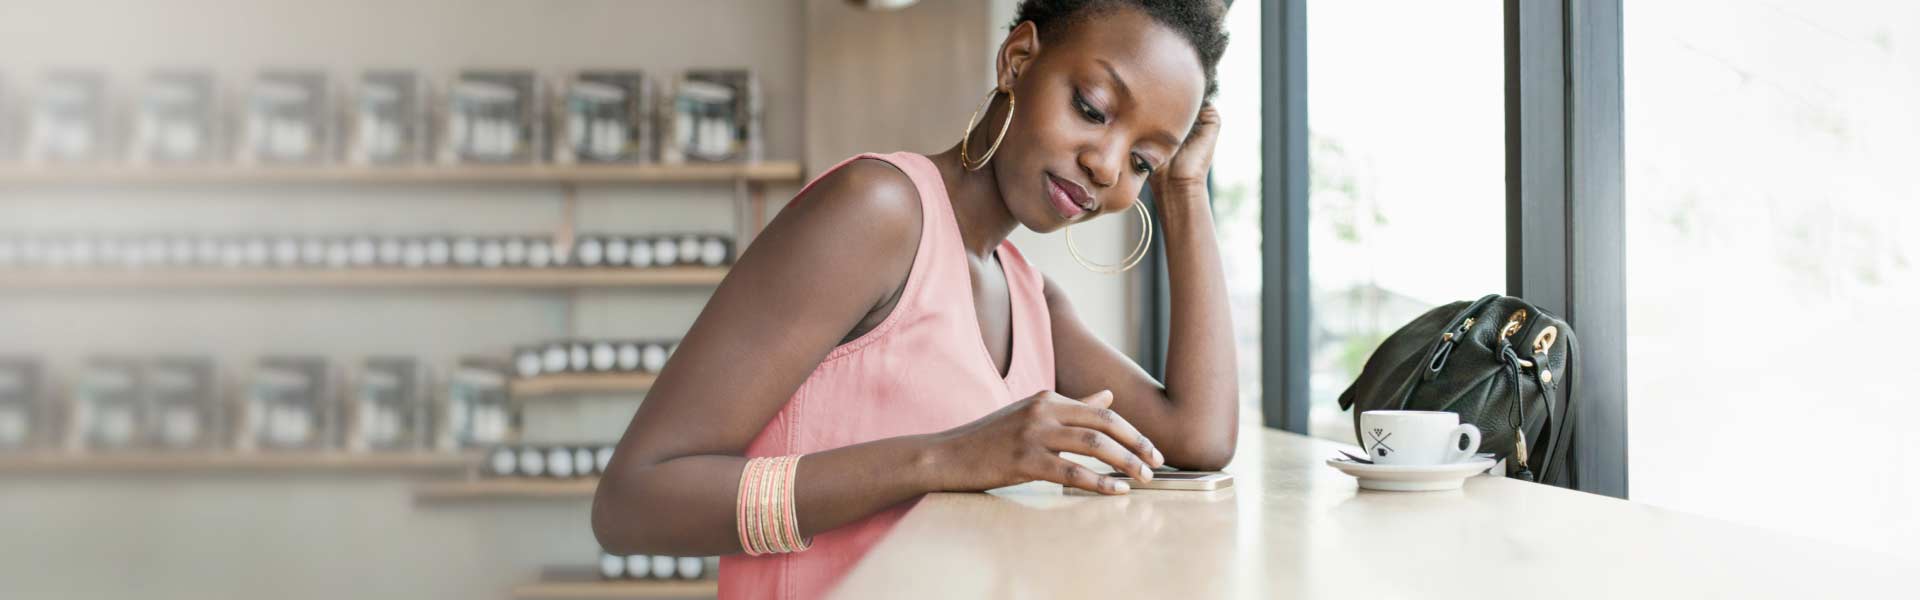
1163,136
1117,81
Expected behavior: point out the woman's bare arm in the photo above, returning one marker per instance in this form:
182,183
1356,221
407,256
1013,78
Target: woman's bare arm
818,270
823,263
1195,416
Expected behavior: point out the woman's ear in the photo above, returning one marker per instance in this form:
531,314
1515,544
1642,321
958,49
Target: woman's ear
1016,54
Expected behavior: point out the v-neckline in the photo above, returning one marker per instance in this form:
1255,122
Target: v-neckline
973,307
1013,313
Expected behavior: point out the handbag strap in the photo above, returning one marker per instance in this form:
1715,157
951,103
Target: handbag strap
1566,416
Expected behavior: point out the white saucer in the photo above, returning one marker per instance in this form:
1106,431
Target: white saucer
1410,478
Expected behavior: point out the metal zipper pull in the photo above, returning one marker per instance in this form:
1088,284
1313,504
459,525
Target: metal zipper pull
1445,349
1520,451
1520,447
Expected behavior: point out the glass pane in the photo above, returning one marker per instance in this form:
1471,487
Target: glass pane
1773,212
1408,199
1236,192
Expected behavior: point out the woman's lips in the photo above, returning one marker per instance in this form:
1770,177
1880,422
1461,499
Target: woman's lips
1065,199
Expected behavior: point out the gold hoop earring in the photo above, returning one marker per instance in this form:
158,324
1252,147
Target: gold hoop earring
1133,258
975,122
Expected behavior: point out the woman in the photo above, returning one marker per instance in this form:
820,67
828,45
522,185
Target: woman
883,328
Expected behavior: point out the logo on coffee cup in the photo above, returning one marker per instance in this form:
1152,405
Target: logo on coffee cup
1380,446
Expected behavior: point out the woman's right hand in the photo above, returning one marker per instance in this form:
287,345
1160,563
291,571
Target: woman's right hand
1022,442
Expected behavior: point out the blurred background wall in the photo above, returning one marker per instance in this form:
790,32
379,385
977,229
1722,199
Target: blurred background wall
835,81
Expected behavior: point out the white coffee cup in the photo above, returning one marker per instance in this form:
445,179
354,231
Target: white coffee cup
1417,437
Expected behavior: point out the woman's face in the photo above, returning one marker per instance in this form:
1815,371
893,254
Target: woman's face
1098,109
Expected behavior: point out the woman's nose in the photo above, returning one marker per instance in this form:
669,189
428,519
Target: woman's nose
1102,169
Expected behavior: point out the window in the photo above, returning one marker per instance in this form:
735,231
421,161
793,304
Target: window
1236,191
1407,206
1772,231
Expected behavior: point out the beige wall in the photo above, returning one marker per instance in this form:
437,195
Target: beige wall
362,536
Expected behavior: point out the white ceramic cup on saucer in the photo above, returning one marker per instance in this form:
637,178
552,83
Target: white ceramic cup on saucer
1417,437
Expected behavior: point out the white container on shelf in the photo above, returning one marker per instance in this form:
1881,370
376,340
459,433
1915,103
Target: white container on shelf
533,462
589,251
207,251
493,253
640,253
691,567
363,251
639,566
313,252
539,254
513,252
713,251
526,361
653,357
258,251
617,251
413,253
579,359
663,567
603,356
180,252
439,251
612,567
560,462
9,252
466,252
391,252
554,358
502,461
627,356
339,254
666,252
286,252
689,250
583,462
602,456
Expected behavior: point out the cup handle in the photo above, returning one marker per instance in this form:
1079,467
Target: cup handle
1454,453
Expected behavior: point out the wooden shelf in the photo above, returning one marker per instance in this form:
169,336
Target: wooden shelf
579,383
508,488
768,171
360,278
558,583
233,461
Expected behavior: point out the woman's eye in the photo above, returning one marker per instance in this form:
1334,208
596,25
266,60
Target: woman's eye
1141,166
1087,110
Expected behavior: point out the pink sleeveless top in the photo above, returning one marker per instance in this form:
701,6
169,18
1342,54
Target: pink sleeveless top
924,369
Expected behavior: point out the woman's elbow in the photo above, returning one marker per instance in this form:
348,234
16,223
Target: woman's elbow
1202,455
615,533
1206,440
1205,448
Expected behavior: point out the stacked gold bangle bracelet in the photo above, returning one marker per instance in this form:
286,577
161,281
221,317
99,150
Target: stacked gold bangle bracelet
764,511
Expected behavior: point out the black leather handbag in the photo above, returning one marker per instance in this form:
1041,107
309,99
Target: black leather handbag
1501,363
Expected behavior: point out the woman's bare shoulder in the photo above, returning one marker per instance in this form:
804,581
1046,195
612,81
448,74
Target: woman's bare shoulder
869,190
858,226
867,207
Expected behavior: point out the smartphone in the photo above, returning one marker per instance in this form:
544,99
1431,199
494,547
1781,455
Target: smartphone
1179,480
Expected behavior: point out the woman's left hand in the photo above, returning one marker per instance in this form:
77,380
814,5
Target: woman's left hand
1191,162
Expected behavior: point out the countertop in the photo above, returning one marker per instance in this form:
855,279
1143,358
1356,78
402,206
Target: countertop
1293,527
